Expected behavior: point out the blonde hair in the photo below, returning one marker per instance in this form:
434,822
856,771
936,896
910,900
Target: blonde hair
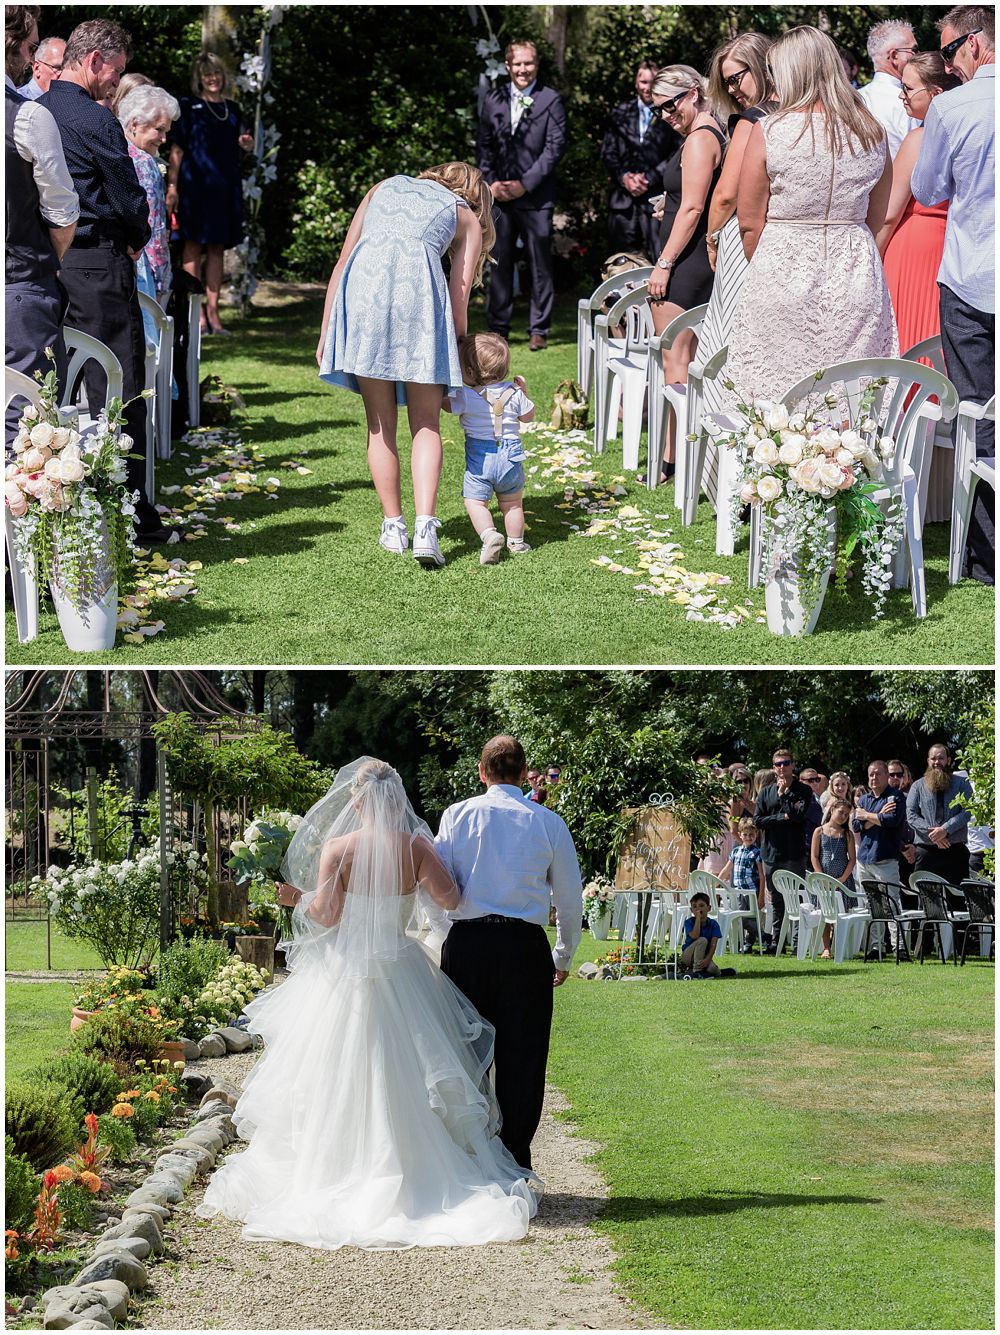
207,63
840,774
484,358
751,49
746,826
128,84
806,67
467,182
675,79
762,779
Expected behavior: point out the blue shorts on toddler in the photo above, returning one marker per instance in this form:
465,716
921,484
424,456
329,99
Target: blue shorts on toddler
492,466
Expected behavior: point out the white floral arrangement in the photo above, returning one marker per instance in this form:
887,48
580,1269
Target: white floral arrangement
67,495
233,986
598,899
795,467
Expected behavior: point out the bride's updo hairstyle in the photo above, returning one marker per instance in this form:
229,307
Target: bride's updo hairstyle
467,182
377,782
503,759
806,67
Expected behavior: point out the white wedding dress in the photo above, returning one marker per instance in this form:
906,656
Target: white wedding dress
370,1115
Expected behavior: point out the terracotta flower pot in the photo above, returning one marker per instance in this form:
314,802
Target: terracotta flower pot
79,1018
172,1051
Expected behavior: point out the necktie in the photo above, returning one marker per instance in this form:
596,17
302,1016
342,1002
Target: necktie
645,116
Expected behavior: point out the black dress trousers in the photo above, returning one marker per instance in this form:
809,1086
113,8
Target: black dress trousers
104,302
506,971
534,227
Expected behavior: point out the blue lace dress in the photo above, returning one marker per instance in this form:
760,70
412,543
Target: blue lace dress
391,316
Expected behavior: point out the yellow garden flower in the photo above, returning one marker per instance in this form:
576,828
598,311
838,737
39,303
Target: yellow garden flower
152,1096
122,1110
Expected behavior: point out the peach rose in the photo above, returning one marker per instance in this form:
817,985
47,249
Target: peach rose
15,499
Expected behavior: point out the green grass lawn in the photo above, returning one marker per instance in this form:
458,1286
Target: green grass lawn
37,1023
303,581
804,1146
25,949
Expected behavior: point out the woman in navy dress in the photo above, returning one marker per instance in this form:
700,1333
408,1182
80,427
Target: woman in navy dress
205,187
392,321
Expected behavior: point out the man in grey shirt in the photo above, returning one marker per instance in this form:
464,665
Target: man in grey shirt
940,826
509,857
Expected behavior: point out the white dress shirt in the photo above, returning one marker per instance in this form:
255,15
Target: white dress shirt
957,162
37,140
882,99
30,90
509,855
517,108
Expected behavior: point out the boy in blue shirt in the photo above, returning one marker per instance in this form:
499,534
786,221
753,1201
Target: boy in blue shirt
746,866
701,934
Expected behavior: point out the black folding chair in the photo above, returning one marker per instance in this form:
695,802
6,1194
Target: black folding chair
882,912
938,914
980,897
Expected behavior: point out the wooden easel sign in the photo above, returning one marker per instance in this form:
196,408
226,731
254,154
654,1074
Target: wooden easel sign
656,854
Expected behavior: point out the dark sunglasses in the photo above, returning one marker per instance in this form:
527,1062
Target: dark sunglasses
813,779
668,107
552,774
895,774
734,80
948,51
780,764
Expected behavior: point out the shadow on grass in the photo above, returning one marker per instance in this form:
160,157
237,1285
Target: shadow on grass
622,1208
837,971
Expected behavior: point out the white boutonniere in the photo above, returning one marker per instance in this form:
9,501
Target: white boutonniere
526,101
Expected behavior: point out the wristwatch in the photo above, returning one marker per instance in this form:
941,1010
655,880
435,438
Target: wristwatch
665,264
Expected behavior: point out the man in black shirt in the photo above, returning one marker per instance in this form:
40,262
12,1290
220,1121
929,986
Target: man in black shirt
781,818
636,142
98,270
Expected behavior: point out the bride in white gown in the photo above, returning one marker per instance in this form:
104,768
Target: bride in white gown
370,1116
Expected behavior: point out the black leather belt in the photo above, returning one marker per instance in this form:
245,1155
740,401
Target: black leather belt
491,918
99,242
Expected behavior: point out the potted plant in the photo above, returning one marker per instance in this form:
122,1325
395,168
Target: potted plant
116,984
598,901
73,514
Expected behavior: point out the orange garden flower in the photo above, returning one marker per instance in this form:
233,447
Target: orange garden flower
91,1181
10,1250
171,1089
152,1096
122,1110
63,1173
133,1093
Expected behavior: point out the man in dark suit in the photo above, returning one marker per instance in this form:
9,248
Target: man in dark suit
636,141
522,133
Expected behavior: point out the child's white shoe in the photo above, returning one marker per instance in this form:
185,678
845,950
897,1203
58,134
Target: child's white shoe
426,548
492,547
517,545
394,537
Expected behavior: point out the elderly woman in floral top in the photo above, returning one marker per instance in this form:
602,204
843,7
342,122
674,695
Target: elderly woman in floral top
146,115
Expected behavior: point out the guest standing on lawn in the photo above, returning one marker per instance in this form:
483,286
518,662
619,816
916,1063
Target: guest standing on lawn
205,186
939,824
391,325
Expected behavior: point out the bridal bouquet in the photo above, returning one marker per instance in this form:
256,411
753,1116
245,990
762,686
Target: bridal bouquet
258,854
798,466
67,496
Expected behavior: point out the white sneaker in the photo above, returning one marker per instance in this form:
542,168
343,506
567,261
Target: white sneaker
394,537
492,547
517,545
425,543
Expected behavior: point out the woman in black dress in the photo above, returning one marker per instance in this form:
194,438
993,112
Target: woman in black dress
682,277
205,180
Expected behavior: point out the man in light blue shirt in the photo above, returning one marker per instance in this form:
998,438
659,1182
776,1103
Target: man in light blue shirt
957,163
46,66
509,856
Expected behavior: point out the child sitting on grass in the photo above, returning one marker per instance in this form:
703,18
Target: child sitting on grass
746,867
701,934
490,408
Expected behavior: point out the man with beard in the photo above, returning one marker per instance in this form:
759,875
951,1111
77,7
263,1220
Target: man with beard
939,825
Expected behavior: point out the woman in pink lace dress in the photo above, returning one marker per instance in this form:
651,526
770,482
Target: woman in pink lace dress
813,192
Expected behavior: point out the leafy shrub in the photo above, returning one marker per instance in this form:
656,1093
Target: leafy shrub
20,1187
94,1082
117,1135
187,967
120,1039
320,221
76,1205
43,1120
113,823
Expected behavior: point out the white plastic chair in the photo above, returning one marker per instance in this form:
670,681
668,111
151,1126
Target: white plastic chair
935,490
620,373
683,401
586,310
799,912
969,471
195,300
713,428
24,583
903,410
724,910
163,375
848,925
82,348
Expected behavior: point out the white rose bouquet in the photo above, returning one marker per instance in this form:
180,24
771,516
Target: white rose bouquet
795,467
68,498
598,899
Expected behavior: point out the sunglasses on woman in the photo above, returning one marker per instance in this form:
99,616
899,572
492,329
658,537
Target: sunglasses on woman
949,49
670,106
734,80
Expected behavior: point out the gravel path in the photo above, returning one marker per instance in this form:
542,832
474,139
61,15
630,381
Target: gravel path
558,1277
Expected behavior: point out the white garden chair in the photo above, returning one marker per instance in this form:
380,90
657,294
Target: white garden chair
713,427
724,909
587,309
903,409
848,925
195,300
799,913
936,489
24,583
969,471
82,348
682,401
163,375
620,373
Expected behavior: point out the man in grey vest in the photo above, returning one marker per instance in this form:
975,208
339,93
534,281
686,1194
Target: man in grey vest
41,211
